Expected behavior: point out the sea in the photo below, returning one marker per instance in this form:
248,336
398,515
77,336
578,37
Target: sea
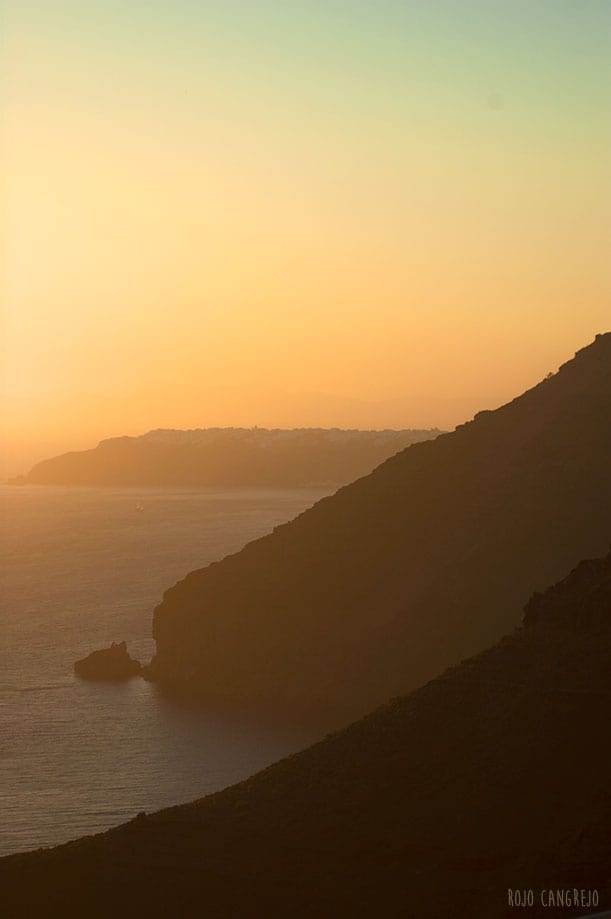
81,567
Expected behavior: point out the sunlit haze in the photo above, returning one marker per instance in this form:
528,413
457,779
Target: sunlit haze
304,213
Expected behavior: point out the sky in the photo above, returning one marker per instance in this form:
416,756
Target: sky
295,212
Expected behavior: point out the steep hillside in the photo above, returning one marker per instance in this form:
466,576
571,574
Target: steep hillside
226,456
425,560
493,776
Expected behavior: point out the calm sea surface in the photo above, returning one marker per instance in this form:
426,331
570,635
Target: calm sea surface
79,568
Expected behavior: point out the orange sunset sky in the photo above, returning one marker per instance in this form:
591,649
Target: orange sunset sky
344,213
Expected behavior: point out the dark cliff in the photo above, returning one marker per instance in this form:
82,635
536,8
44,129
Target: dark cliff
226,456
398,575
493,776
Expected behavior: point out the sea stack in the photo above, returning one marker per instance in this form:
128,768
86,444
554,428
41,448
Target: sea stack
112,664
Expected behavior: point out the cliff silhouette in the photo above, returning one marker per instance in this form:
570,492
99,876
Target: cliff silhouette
424,561
226,456
492,777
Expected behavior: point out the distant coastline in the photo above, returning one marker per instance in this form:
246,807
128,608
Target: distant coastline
227,456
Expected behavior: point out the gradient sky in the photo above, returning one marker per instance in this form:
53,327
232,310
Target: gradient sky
295,212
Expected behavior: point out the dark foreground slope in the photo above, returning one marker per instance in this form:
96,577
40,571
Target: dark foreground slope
493,776
226,456
426,560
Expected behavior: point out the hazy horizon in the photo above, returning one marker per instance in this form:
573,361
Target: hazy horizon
315,214
19,456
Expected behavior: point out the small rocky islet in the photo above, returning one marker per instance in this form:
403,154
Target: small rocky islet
113,664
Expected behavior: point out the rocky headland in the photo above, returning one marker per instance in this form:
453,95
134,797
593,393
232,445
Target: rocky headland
490,782
428,559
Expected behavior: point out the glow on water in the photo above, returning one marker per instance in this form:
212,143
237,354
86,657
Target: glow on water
79,568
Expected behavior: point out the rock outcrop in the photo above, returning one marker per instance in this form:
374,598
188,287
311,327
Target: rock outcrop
113,663
489,782
582,600
398,575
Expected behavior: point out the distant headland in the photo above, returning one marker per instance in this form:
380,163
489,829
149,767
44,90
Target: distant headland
227,456
378,587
